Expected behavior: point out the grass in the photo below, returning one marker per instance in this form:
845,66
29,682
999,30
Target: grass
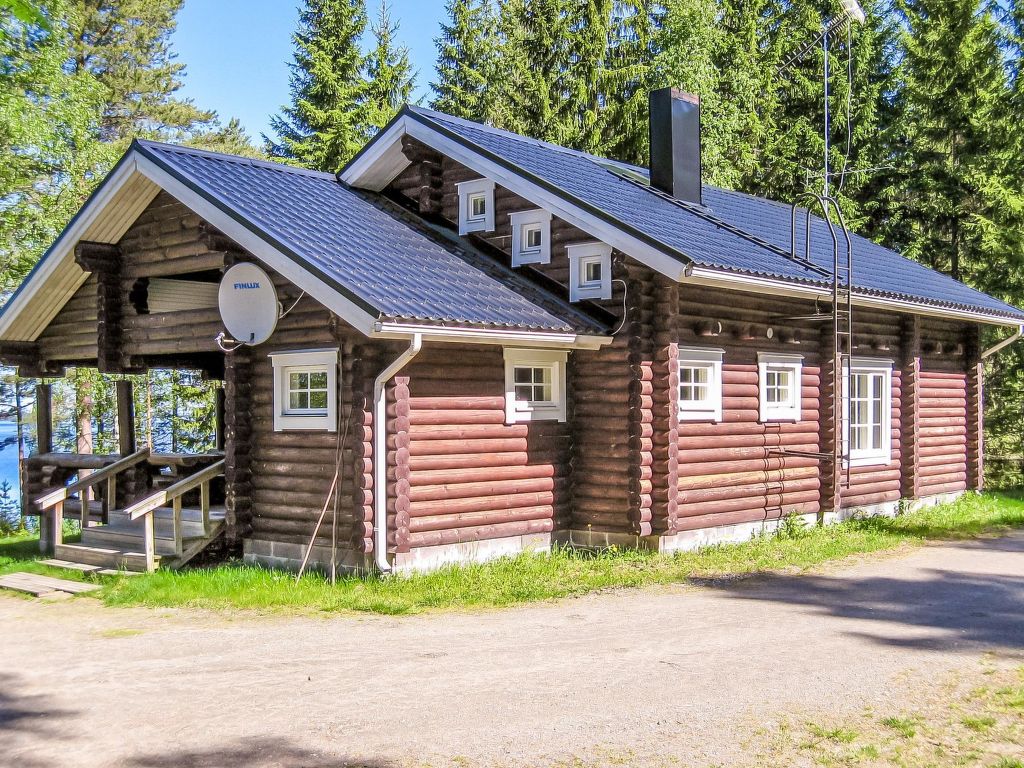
528,578
954,723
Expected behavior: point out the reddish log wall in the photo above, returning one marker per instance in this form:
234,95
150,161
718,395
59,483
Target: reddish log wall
456,471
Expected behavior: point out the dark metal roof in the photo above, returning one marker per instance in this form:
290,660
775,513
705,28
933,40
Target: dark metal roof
366,247
731,232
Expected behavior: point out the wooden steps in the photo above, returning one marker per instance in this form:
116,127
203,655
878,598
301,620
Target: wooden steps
119,546
85,568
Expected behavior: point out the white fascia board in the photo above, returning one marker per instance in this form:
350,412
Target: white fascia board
362,173
64,248
348,311
536,339
718,279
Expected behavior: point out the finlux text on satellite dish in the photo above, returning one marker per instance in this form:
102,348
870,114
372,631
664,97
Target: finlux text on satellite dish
248,304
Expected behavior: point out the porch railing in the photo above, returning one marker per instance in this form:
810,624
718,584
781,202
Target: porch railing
172,494
54,500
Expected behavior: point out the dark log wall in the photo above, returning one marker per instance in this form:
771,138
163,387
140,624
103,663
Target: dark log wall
292,470
71,335
456,471
732,472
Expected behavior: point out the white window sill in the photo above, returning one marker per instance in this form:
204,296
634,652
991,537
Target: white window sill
707,416
873,460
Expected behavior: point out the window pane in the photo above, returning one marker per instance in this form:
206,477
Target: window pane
318,380
524,393
531,239
523,375
592,272
298,400
298,381
318,399
477,206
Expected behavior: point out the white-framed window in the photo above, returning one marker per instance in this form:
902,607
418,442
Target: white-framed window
531,237
779,386
534,385
306,389
476,206
590,271
700,384
867,385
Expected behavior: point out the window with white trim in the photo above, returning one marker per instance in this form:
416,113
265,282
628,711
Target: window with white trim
531,237
868,396
700,384
476,206
779,386
534,385
305,389
590,271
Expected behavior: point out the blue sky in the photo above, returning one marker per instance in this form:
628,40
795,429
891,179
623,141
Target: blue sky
236,52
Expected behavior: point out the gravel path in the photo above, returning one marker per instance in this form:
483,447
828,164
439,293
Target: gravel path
681,674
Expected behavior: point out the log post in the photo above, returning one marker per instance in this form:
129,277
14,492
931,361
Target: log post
975,409
910,406
125,417
107,263
398,432
666,408
238,375
44,418
219,418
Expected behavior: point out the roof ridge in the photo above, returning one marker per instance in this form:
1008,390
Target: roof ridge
238,159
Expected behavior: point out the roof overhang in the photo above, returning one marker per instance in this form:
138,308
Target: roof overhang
503,336
731,281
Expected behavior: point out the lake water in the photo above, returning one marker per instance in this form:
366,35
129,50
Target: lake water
9,456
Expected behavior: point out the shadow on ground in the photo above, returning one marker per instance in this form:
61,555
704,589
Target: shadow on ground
32,715
945,610
251,753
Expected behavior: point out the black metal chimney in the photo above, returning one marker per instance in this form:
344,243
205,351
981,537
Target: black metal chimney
675,144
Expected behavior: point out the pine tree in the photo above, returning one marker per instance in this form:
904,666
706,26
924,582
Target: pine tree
534,59
389,75
589,28
125,45
629,73
466,62
322,127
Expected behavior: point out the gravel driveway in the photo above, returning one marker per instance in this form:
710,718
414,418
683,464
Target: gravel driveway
680,674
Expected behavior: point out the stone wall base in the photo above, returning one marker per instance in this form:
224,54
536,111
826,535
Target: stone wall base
288,556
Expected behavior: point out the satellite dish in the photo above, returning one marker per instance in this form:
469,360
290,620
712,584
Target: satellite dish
248,304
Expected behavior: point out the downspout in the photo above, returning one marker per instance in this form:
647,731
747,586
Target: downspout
1004,343
380,453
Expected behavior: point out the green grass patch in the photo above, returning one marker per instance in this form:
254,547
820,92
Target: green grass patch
904,726
528,578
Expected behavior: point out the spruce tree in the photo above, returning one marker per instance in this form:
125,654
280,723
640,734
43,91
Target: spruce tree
322,127
467,51
389,75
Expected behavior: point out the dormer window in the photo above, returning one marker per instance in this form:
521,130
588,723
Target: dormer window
531,237
476,206
590,271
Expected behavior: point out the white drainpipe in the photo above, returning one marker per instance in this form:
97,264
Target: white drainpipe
1004,343
380,453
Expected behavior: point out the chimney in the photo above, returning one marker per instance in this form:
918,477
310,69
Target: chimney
675,144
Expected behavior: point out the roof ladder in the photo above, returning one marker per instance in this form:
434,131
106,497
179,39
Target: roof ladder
841,316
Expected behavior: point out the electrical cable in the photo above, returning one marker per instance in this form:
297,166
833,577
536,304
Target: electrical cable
624,289
222,338
294,303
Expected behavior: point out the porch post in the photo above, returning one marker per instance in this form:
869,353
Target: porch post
219,418
125,418
44,444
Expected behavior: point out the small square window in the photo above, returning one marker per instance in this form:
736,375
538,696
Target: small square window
531,237
534,385
476,206
779,385
304,389
700,384
590,271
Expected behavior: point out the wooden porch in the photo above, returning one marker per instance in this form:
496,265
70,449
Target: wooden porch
138,509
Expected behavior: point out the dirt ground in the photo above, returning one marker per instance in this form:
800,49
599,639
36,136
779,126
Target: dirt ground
680,676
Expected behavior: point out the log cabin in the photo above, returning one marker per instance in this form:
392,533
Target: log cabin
484,344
